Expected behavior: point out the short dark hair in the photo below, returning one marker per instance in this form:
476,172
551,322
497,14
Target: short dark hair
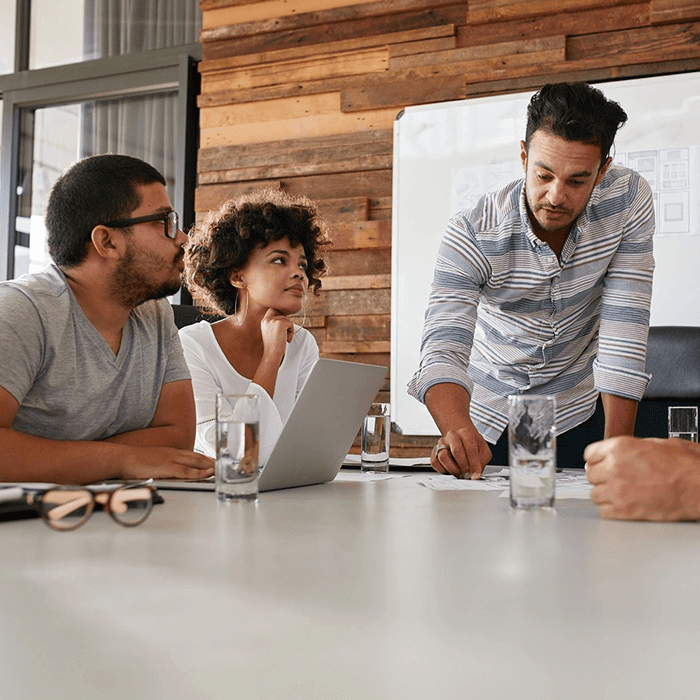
575,112
223,242
93,191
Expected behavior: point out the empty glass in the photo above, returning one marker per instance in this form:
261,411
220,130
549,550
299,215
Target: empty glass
532,446
683,422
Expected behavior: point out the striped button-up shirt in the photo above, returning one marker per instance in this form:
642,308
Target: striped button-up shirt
505,316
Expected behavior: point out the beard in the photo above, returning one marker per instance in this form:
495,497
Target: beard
133,282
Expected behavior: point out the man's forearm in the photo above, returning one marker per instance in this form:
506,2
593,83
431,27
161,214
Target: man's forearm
620,415
449,406
179,436
29,458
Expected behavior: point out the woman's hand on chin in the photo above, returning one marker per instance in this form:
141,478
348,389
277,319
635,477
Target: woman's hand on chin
277,331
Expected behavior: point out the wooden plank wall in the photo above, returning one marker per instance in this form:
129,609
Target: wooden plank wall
302,94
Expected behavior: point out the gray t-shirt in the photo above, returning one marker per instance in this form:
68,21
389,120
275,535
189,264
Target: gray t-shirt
67,380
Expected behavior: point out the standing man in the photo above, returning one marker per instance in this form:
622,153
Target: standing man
93,382
543,288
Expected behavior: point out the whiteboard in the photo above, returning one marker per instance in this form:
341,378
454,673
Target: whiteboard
446,155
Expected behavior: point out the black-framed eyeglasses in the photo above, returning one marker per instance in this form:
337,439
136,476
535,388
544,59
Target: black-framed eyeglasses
69,507
170,219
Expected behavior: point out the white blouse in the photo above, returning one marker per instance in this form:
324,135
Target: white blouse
212,373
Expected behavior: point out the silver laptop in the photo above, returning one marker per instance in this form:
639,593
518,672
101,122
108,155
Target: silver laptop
320,430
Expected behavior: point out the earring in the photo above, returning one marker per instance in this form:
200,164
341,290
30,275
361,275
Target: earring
303,306
235,309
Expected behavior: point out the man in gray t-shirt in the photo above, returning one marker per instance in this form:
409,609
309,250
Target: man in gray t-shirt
93,382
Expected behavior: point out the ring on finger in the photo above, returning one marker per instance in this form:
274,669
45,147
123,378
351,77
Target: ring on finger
439,447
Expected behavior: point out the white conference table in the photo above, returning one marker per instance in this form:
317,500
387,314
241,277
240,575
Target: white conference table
354,589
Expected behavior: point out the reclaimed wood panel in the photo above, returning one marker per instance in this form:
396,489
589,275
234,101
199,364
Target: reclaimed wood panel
320,67
354,348
285,109
579,71
357,282
483,11
334,15
352,302
223,12
674,11
315,187
371,358
350,165
413,48
274,92
410,36
412,85
466,56
339,31
346,209
621,17
349,328
375,261
361,234
328,148
299,127
673,41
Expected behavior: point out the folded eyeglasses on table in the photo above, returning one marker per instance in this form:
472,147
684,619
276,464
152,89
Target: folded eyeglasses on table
69,507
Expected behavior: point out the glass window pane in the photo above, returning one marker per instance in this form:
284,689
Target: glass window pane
54,137
98,28
7,36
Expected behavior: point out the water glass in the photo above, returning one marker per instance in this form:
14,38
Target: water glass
532,447
237,444
376,430
683,422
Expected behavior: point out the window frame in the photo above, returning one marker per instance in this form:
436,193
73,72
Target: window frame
172,69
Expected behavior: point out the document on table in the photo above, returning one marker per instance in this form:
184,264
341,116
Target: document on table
493,479
353,475
567,484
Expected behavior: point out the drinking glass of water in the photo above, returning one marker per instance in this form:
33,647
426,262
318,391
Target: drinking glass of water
376,431
683,422
532,447
237,442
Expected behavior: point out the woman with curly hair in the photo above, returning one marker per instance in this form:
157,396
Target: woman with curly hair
252,262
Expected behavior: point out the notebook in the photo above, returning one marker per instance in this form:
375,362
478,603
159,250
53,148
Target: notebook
320,430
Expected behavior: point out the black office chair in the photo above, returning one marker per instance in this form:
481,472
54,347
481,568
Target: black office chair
673,360
185,315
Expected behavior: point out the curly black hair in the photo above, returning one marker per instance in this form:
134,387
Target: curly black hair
223,241
575,112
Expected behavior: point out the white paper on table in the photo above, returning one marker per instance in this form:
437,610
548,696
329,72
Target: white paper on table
567,485
366,476
494,481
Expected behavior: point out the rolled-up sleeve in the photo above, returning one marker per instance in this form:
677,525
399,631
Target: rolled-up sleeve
619,368
448,331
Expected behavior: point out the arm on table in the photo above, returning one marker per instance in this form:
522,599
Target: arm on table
468,452
645,479
173,423
29,458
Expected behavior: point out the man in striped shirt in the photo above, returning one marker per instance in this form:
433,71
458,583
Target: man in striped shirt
543,288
